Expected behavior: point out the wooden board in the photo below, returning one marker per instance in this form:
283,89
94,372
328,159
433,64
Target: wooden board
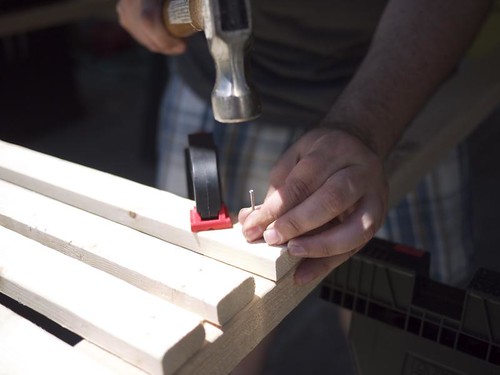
140,328
26,349
273,302
144,208
209,288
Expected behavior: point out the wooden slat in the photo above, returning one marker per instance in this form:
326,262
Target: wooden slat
273,302
456,109
149,210
192,281
52,14
140,328
26,349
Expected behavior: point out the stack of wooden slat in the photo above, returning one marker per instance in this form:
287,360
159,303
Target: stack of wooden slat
88,250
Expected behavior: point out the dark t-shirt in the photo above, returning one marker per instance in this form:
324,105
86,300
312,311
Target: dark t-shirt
303,54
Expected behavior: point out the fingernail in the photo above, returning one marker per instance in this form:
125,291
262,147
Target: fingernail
272,237
253,233
296,250
243,214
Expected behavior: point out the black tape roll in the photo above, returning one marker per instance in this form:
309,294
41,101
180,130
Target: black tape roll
203,175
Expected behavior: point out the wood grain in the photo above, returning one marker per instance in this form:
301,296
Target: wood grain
152,211
273,302
140,328
211,289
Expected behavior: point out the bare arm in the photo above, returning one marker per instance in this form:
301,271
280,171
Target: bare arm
328,193
416,46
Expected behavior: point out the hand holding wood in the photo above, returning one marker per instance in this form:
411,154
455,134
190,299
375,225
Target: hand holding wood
327,198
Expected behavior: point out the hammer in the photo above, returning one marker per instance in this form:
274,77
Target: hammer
228,27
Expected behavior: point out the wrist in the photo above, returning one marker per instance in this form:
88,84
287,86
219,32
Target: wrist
367,117
364,134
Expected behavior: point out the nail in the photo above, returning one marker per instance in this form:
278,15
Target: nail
252,199
272,237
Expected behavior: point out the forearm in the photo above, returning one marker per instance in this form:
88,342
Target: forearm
416,46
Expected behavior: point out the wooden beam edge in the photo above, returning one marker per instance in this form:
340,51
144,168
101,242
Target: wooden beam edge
149,210
272,303
192,281
96,306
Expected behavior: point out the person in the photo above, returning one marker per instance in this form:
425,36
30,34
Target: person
393,54
339,82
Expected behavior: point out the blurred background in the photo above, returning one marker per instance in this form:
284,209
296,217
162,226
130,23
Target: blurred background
74,84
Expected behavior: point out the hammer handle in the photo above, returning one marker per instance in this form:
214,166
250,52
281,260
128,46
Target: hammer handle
183,17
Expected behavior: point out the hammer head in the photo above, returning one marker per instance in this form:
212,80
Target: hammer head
228,29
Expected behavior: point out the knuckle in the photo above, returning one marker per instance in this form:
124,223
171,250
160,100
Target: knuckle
147,19
290,227
323,250
334,200
298,190
318,248
275,175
